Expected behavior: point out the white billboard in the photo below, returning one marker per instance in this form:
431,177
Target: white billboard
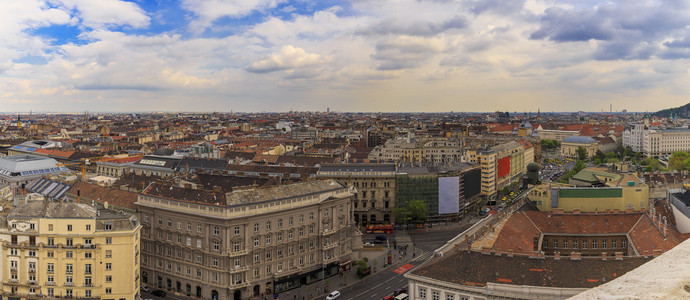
448,195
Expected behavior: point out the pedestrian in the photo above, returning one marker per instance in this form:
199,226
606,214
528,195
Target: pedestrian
413,254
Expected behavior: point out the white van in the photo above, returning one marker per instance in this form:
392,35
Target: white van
402,296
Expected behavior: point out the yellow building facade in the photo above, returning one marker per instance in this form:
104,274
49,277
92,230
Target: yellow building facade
626,193
69,250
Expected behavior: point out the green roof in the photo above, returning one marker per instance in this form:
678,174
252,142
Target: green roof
588,175
590,193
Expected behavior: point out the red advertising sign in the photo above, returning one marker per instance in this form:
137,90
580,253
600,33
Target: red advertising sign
503,166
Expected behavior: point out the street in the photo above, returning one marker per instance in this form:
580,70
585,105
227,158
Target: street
384,282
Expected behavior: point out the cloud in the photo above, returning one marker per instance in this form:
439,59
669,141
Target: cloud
415,28
208,11
105,13
562,25
289,57
404,52
623,30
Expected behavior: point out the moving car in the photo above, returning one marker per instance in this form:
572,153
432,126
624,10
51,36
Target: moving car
333,295
159,293
402,296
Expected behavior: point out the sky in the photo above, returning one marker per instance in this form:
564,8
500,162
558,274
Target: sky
357,55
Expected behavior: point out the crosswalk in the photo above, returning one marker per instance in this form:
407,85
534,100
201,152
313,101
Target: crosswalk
424,256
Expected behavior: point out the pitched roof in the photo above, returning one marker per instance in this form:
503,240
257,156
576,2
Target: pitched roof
88,192
474,268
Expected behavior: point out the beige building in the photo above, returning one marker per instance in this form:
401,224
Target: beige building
374,198
501,165
570,144
614,192
553,134
664,142
69,250
410,150
244,243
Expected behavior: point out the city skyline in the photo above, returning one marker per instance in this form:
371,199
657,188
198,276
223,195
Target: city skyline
359,56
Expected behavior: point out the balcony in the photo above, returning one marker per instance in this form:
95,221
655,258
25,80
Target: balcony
69,283
329,246
14,269
50,283
240,285
238,253
329,232
32,282
32,270
239,269
330,260
14,280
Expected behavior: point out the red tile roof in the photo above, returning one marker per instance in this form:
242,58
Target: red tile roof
517,234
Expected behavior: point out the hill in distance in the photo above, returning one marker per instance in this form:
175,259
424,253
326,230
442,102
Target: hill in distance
681,112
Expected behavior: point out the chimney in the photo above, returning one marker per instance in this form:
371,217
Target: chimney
576,211
629,210
575,256
603,256
608,210
656,252
486,250
646,253
510,253
616,211
557,255
619,255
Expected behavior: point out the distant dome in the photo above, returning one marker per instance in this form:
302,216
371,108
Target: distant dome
532,166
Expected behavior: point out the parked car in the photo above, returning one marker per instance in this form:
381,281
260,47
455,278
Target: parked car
144,288
159,293
333,295
381,238
389,297
399,291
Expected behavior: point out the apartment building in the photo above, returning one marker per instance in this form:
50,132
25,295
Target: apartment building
664,142
411,151
501,165
69,250
244,243
374,199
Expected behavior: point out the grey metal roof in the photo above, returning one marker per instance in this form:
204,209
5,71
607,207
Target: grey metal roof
579,140
48,188
357,168
27,166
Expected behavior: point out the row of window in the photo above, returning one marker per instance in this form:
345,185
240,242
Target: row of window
585,244
436,295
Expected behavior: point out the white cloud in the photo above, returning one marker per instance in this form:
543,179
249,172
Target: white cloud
289,57
103,13
208,11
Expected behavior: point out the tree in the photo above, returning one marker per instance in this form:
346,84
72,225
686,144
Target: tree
547,144
402,214
600,155
676,162
419,212
581,153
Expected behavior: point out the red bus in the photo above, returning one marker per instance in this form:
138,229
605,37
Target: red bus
379,229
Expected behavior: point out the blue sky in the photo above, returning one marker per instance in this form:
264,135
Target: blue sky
358,55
